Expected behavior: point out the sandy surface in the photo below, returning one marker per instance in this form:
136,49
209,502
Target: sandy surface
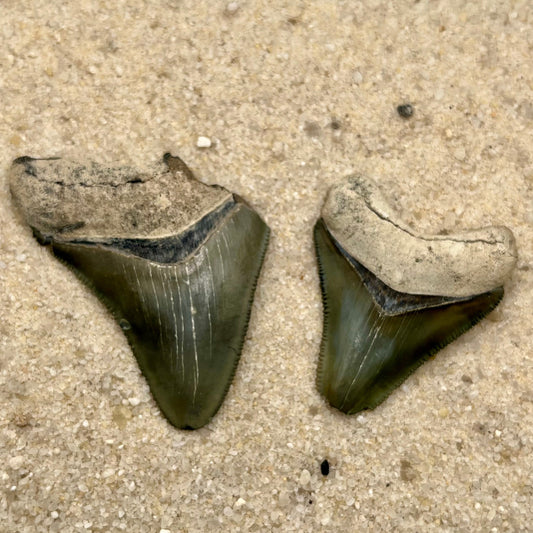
292,95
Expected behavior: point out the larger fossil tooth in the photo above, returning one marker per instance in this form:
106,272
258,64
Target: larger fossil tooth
175,260
393,297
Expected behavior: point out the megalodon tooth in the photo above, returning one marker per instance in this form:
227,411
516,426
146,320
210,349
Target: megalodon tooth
393,297
176,261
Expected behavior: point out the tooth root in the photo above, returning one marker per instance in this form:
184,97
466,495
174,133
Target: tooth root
182,300
374,335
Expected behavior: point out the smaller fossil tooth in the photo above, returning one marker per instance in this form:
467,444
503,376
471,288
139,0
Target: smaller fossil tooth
175,261
393,297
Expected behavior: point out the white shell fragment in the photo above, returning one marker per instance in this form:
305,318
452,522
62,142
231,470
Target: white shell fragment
454,265
203,142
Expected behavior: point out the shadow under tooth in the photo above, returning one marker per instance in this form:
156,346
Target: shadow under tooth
367,351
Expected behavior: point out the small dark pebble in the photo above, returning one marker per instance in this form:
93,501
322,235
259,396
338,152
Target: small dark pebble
405,110
324,467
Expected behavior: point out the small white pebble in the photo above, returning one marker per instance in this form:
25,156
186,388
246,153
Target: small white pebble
121,513
85,424
21,258
54,515
203,142
498,433
357,77
228,511
239,503
305,477
164,531
134,402
92,69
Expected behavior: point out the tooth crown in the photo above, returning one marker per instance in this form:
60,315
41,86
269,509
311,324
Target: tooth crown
455,265
184,320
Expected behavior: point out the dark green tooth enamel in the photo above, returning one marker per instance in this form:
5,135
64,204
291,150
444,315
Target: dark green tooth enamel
367,351
185,321
376,332
183,300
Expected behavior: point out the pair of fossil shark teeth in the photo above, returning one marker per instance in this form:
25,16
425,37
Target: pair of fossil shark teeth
177,261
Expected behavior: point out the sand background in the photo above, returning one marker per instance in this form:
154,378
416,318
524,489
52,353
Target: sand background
293,95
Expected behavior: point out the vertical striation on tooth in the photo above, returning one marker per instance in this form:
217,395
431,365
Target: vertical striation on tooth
178,275
392,297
